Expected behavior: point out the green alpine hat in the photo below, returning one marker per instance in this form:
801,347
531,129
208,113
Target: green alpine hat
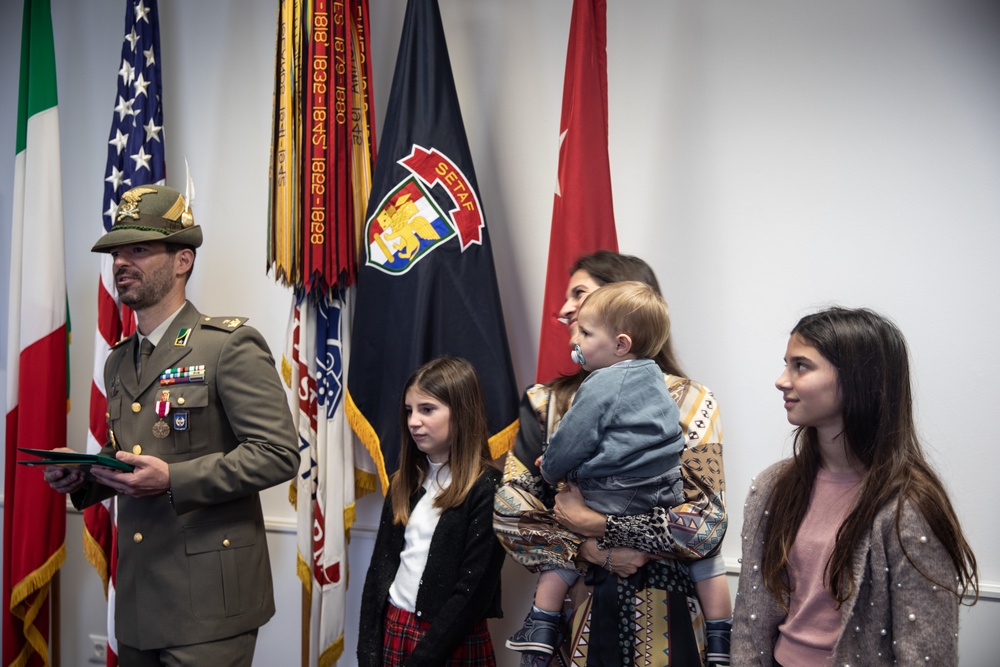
151,213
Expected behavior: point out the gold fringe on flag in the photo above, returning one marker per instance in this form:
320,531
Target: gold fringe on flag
332,654
27,598
334,651
304,571
369,438
364,482
96,557
503,440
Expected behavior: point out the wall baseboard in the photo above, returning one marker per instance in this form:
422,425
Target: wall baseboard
988,590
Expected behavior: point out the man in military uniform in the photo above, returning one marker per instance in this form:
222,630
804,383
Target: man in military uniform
196,406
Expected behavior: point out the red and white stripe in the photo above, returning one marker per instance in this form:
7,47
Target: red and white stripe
114,322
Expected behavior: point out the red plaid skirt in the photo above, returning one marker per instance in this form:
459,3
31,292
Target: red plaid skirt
404,630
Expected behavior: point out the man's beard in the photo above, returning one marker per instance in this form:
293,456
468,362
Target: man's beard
146,290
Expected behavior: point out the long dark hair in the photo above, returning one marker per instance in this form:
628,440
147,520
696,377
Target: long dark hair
454,382
606,266
873,375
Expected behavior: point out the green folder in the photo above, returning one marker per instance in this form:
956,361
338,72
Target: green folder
48,457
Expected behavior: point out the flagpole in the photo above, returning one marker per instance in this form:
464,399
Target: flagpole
55,611
306,624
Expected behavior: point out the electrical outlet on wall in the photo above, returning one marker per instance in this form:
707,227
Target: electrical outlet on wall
99,650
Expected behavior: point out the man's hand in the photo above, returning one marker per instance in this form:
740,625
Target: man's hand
151,476
64,479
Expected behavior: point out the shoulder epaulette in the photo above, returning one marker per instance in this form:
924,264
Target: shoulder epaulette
121,342
227,323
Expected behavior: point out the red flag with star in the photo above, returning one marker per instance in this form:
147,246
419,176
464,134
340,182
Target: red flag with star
583,216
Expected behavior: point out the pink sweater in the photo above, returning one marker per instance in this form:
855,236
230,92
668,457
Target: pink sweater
896,616
809,633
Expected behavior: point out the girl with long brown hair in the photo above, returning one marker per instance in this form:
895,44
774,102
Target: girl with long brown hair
851,548
434,577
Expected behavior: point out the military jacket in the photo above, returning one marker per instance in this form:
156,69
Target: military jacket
193,564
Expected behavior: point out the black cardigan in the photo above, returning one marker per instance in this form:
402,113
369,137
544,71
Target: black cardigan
460,584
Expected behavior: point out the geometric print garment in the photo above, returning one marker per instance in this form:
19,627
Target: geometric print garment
652,618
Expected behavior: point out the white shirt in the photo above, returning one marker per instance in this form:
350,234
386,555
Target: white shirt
417,539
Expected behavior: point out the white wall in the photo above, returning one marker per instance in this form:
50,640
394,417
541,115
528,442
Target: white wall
768,158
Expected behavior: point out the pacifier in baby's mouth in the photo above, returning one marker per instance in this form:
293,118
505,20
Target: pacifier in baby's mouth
577,355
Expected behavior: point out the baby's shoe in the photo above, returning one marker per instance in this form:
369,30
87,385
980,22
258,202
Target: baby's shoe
539,634
717,636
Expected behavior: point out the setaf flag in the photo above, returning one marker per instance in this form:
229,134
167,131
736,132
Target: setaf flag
34,524
135,156
426,283
583,217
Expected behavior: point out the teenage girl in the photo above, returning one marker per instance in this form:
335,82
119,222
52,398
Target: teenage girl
852,552
434,577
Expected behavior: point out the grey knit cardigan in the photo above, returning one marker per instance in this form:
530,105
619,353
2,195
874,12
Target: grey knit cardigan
896,615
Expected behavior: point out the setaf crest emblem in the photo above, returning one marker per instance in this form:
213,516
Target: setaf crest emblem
409,223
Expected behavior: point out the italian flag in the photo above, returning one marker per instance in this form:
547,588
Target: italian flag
34,524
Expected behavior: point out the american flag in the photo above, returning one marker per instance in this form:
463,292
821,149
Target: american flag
135,157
